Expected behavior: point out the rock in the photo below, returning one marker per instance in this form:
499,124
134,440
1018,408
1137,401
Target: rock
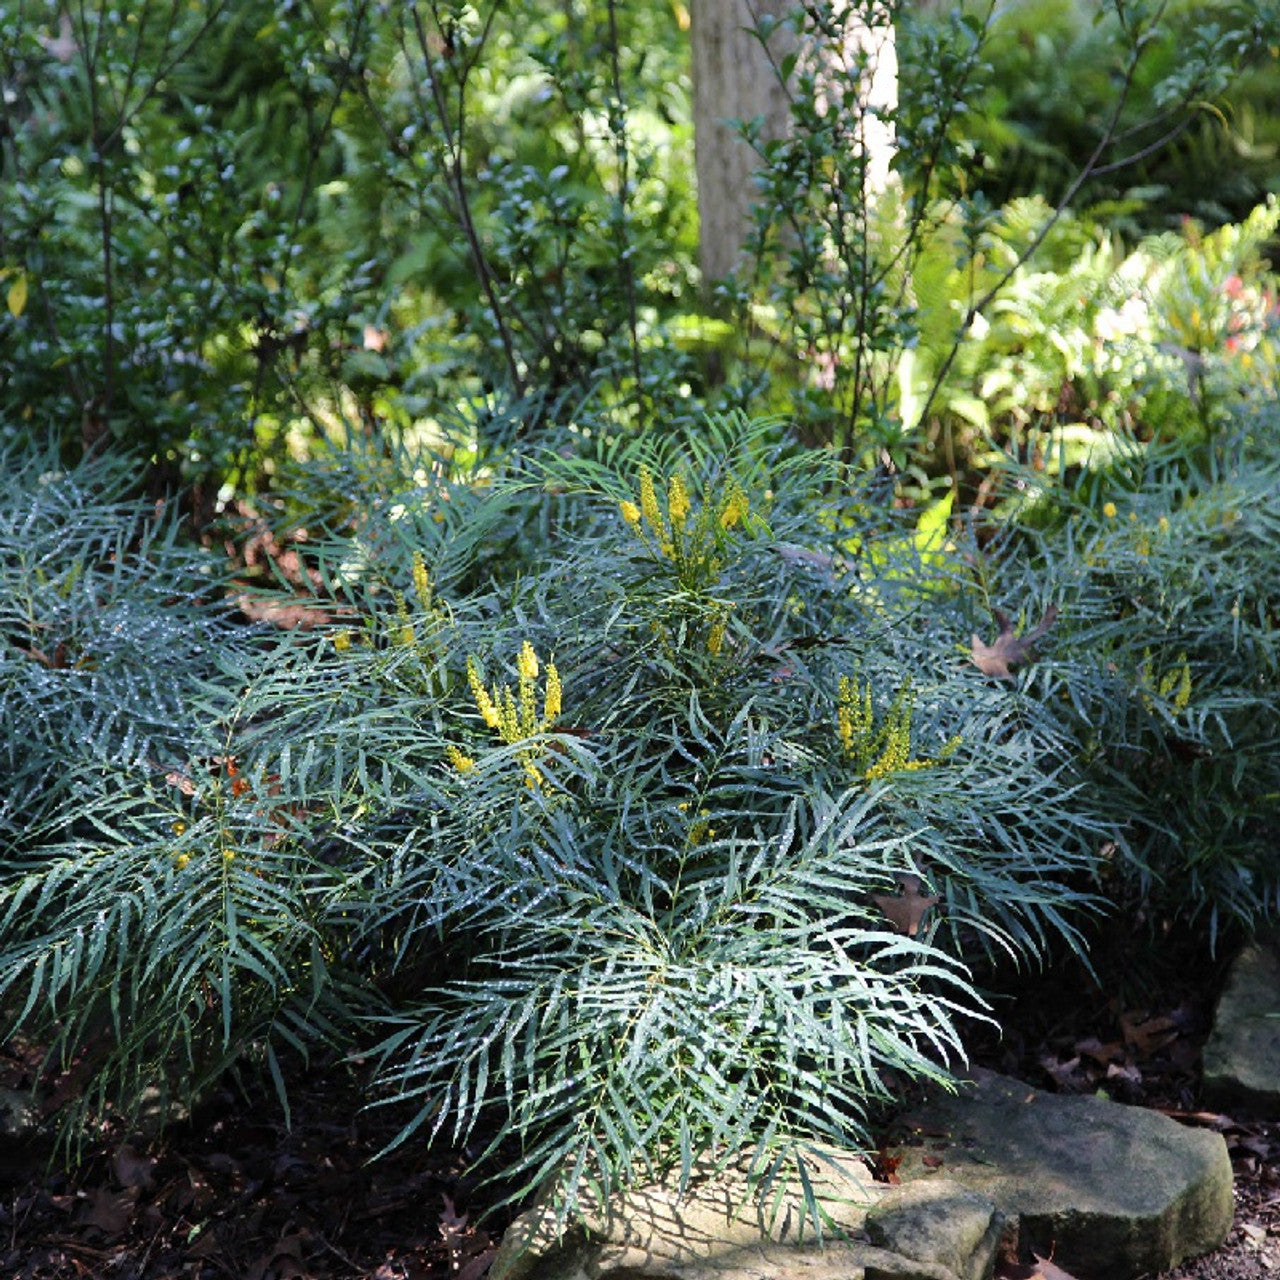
939,1221
1242,1057
1106,1190
716,1232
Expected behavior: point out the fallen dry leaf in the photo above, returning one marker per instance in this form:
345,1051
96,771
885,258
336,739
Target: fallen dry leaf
1066,1075
1007,651
1046,1269
478,1265
110,1212
1040,1269
288,615
906,910
1146,1034
1125,1072
133,1170
884,1167
453,1225
1102,1054
1201,1119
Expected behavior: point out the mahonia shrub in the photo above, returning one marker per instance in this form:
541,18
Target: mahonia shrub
1165,661
155,904
673,835
106,625
646,802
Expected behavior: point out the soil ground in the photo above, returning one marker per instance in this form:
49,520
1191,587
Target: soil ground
236,1194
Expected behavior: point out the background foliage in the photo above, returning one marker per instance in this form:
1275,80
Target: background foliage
425,633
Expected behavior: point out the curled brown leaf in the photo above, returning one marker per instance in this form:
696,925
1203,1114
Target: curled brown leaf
905,910
1007,650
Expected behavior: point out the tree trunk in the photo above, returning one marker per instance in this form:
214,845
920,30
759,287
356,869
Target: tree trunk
735,77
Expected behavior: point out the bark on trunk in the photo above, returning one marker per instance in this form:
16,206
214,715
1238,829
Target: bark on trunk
736,78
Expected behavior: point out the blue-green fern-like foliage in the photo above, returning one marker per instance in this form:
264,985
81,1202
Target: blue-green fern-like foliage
628,805
1167,666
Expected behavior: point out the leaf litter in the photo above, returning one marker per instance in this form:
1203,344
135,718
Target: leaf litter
234,1193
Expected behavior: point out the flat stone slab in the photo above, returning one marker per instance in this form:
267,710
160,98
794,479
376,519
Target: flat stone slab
1242,1056
718,1231
1108,1191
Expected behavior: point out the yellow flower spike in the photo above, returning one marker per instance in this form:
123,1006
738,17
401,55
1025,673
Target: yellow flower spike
403,634
649,505
484,703
630,513
1163,524
460,761
1109,510
178,827
678,501
1182,697
509,718
551,704
180,860
228,855
421,581
527,662
715,641
844,726
528,707
735,507
700,830
1176,685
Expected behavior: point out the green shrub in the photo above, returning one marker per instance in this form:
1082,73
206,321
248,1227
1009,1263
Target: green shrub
713,884
1085,343
1051,86
1166,664
674,898
634,806
107,625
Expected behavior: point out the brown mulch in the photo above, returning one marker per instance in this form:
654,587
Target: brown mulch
235,1194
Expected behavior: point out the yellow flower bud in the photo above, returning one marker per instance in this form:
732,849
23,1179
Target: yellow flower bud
484,703
649,504
735,508
1109,510
342,641
715,641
